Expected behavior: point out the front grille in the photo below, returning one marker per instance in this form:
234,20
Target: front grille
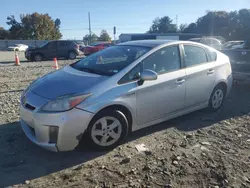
30,106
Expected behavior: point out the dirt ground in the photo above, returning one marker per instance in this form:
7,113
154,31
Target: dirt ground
201,149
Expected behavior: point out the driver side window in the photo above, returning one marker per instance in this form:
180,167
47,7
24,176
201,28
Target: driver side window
51,45
164,60
132,75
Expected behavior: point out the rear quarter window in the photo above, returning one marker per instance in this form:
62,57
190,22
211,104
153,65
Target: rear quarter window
212,55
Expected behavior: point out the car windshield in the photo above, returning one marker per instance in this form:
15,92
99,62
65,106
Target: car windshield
111,60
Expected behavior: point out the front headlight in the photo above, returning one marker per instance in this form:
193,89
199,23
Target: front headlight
64,103
27,52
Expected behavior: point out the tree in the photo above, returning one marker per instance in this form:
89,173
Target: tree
90,39
34,26
233,25
162,25
104,36
15,31
182,28
191,28
3,33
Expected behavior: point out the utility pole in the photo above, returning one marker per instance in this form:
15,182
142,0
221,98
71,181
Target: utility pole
114,31
176,22
89,29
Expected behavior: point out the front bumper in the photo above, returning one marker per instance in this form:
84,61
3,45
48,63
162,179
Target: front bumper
36,125
28,56
30,133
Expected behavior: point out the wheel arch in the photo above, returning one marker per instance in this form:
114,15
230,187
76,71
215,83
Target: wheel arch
37,53
121,108
222,83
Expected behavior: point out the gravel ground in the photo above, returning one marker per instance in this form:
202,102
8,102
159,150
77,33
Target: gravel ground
197,150
9,57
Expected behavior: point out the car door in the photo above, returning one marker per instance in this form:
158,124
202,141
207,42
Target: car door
156,99
50,50
200,75
62,49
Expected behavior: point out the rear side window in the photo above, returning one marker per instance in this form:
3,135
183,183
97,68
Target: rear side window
212,54
194,55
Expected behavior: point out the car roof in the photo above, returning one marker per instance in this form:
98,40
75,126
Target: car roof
147,43
101,42
195,39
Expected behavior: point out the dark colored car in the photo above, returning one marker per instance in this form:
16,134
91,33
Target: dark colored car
240,61
59,49
95,47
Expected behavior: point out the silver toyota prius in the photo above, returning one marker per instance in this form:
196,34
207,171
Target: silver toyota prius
121,89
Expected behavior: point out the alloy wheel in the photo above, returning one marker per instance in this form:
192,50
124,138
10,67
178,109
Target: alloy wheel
217,98
106,131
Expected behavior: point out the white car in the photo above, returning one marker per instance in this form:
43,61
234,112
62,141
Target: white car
18,47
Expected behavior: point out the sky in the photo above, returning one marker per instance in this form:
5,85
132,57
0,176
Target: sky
129,16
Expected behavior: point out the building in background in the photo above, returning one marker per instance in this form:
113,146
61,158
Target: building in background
124,37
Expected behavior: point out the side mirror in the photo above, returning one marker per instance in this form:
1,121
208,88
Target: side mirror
147,75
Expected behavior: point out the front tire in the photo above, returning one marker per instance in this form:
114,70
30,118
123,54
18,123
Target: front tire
107,130
217,98
38,57
72,55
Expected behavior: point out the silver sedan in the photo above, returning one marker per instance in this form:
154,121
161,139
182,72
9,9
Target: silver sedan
121,89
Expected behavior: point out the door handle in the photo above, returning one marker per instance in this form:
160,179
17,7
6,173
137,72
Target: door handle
180,81
210,71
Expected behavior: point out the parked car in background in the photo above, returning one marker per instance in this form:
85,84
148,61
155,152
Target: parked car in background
81,45
18,47
240,61
240,45
210,41
123,88
95,47
230,44
59,49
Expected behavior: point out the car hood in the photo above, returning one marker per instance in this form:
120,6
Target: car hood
64,82
32,48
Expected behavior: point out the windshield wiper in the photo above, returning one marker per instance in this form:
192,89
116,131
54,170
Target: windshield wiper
94,71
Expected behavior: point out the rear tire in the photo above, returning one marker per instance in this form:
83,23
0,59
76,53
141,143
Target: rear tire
107,130
217,98
72,55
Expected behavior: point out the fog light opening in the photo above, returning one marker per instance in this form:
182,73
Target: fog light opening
53,134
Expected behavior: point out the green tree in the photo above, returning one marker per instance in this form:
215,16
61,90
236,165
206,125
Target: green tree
191,28
15,30
233,25
182,28
162,25
34,26
90,39
104,36
3,33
